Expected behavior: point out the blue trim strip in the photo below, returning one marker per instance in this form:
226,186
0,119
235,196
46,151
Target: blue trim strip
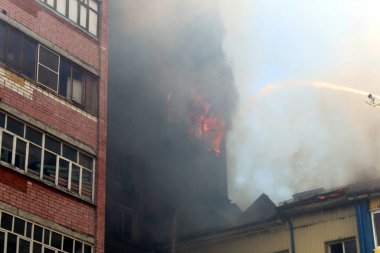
364,224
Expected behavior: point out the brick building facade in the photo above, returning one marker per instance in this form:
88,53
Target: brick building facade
53,89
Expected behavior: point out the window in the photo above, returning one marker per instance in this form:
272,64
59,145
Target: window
126,224
342,246
376,228
17,51
47,68
41,155
82,12
28,237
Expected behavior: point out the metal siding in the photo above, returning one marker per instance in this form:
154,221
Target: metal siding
312,231
374,204
263,242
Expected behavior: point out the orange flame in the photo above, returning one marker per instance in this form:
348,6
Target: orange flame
202,122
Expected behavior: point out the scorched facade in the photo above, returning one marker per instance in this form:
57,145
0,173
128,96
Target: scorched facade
53,86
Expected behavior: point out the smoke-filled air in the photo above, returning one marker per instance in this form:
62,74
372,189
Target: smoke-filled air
303,71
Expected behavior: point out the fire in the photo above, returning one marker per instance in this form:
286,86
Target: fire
201,121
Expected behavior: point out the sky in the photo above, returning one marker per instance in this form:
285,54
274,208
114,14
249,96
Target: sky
290,133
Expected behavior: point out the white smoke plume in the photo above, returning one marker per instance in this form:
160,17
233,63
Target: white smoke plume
291,136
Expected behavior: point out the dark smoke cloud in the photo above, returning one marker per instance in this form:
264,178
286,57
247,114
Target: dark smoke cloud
157,48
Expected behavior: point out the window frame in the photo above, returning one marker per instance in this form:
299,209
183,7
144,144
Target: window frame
89,82
31,238
86,4
38,63
342,241
373,213
56,182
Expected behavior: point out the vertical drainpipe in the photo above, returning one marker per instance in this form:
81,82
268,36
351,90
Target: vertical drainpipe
364,226
291,231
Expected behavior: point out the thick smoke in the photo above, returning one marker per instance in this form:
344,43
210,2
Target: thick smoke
297,137
157,48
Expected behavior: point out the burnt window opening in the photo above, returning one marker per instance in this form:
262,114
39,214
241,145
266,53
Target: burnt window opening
48,69
46,158
126,225
342,246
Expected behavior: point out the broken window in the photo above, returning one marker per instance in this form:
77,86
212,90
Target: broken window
343,246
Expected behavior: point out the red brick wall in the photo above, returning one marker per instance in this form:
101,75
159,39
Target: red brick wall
36,197
43,201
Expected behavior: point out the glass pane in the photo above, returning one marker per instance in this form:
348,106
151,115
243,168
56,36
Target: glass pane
49,59
29,230
12,51
350,246
93,23
68,244
336,248
70,153
24,246
37,233
94,4
2,120
61,7
19,227
376,220
47,236
37,248
87,184
75,174
2,238
28,61
48,250
52,144
20,154
78,81
78,247
73,10
56,240
49,166
2,42
65,79
85,161
11,245
83,16
63,177
6,148
87,249
34,159
33,135
15,126
6,221
91,94
47,78
50,2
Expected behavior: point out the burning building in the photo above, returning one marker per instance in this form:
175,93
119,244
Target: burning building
53,86
171,101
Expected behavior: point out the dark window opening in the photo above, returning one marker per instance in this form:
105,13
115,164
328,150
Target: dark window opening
12,51
347,246
50,163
